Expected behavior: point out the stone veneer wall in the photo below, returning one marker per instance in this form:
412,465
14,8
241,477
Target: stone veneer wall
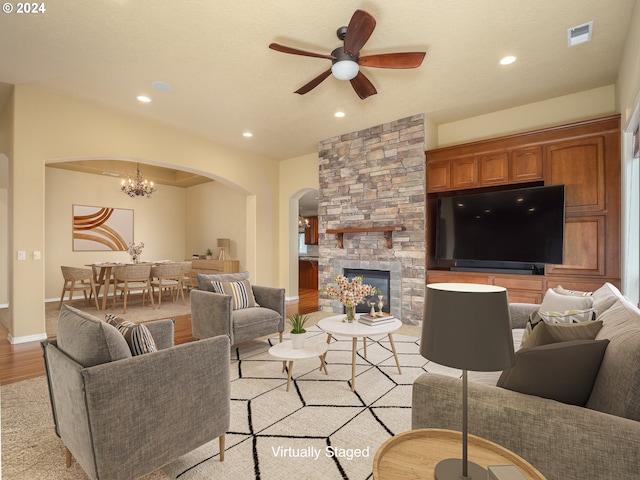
375,177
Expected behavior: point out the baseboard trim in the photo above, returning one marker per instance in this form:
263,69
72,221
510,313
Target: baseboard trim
293,298
26,339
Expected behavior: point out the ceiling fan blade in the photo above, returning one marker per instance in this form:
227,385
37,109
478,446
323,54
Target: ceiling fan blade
313,83
363,87
359,30
294,51
393,60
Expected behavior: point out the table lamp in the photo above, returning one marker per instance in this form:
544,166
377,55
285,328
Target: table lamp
466,326
223,243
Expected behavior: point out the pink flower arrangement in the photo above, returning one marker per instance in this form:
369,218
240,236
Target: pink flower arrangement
350,293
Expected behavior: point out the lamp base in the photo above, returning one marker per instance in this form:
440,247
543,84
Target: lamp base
223,254
451,469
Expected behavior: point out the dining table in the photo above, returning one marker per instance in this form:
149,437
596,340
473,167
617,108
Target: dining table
104,277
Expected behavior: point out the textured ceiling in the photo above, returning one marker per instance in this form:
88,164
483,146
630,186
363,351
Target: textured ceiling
226,80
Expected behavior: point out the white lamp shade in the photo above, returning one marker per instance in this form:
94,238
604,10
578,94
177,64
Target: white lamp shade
345,69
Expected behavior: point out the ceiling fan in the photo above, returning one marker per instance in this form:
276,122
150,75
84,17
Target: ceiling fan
346,60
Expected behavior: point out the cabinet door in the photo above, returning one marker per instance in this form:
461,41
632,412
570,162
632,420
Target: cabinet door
494,168
464,172
438,176
579,165
526,164
311,232
584,247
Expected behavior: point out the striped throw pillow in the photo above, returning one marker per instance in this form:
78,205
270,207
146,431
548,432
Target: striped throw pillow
240,292
137,335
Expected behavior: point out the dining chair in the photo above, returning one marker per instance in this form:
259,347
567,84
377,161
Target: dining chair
167,277
78,279
132,278
100,282
188,280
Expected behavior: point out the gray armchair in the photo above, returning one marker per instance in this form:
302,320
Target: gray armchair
212,314
122,416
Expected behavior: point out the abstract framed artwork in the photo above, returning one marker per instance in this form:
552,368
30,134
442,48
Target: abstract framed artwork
101,228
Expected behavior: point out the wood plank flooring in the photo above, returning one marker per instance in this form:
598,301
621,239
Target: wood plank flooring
23,361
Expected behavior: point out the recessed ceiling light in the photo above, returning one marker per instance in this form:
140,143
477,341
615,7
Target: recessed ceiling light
247,134
508,60
162,86
339,114
143,99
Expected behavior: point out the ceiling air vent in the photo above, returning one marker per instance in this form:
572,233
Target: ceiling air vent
579,34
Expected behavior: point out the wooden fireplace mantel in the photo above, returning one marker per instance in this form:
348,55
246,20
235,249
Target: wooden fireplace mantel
388,232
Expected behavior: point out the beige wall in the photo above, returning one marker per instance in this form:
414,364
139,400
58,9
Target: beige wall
628,98
69,129
628,86
594,103
216,211
174,224
159,223
297,177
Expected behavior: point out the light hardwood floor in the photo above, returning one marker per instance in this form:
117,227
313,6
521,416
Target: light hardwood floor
23,361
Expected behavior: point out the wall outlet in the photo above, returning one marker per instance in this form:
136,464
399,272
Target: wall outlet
37,255
22,255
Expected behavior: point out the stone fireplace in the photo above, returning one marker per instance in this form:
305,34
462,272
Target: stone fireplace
370,179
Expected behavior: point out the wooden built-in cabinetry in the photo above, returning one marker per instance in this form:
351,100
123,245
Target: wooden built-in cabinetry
585,157
308,273
311,232
212,266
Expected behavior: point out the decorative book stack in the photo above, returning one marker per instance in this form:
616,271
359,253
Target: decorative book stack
377,319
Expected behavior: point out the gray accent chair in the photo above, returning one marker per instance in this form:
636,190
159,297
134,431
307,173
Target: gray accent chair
122,416
212,313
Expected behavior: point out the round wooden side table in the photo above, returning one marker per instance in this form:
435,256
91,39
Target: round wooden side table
414,455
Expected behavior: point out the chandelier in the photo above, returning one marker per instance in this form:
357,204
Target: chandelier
138,186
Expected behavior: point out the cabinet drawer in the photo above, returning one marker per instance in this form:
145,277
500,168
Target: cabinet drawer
526,283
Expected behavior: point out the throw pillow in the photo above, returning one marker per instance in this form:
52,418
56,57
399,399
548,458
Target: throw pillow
568,316
556,302
544,333
137,335
240,292
575,293
565,371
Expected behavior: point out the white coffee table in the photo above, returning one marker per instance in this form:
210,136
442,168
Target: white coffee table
285,352
337,326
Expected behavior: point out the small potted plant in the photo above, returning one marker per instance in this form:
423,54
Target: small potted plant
297,321
209,254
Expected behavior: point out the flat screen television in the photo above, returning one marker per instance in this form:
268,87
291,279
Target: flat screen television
521,228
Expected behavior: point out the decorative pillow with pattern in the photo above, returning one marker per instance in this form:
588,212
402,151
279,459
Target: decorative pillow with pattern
240,292
557,302
545,333
574,293
568,317
137,335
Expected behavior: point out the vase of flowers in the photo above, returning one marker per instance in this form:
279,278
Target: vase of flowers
350,294
135,251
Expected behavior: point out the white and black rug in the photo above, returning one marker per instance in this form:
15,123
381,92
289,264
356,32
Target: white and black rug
319,429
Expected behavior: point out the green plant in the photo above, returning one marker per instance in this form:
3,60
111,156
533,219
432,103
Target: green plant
209,252
297,321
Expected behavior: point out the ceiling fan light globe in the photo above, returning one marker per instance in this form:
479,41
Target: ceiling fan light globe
345,69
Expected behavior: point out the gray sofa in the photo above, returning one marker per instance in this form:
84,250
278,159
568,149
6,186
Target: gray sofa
213,314
598,441
122,416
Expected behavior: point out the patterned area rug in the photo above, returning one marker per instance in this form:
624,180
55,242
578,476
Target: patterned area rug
319,429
